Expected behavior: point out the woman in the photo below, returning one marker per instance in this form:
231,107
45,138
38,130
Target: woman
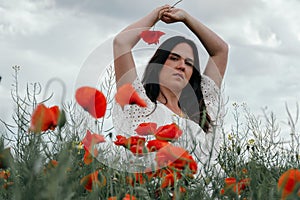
173,87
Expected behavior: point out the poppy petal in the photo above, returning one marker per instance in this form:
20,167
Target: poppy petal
288,182
91,139
168,132
91,100
151,37
126,94
146,128
44,118
155,145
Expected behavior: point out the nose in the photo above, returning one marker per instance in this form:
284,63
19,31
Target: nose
181,65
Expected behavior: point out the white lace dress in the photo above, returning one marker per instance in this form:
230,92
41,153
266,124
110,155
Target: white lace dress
203,146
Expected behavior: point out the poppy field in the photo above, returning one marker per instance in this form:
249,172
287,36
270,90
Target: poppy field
55,152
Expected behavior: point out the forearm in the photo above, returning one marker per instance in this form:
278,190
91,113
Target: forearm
210,40
215,46
128,37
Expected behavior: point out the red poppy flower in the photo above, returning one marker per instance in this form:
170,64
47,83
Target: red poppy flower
121,141
5,174
136,178
128,142
88,157
126,94
129,197
155,145
147,128
175,157
93,179
91,139
232,186
138,150
168,181
44,118
151,37
288,182
91,100
126,197
168,132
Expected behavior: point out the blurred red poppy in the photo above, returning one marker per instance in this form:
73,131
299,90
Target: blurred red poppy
128,142
5,174
137,177
138,150
155,145
168,132
129,197
168,181
151,37
175,157
126,197
91,139
91,100
288,182
44,118
93,179
147,128
88,157
126,94
231,185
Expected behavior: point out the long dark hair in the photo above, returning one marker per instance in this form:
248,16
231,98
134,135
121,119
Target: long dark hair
191,99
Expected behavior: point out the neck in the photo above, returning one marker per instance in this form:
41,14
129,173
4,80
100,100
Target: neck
169,99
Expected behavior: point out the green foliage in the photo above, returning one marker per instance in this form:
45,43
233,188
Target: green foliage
253,149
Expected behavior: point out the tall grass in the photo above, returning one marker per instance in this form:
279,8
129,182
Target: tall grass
50,165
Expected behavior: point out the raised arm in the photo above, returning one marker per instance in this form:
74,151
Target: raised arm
124,42
214,45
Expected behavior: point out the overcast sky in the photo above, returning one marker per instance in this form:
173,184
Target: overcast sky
53,39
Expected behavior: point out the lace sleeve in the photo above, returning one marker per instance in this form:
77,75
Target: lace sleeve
213,99
215,108
125,121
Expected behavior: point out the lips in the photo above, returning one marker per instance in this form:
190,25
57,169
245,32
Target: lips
180,75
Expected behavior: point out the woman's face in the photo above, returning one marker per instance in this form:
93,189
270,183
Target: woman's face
178,68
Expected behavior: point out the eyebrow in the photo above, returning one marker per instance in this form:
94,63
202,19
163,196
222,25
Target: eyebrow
187,59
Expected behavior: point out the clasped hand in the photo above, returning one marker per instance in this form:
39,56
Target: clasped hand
170,14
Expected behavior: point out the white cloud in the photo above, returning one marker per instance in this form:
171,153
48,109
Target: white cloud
54,38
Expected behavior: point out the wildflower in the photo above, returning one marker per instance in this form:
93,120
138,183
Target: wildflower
230,137
232,186
136,177
138,150
126,197
151,37
88,157
289,182
126,94
93,179
251,141
91,139
168,180
168,132
51,165
44,118
155,145
128,142
175,157
91,100
144,129
5,174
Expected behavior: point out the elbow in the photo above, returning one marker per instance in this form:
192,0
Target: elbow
121,44
117,42
225,48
